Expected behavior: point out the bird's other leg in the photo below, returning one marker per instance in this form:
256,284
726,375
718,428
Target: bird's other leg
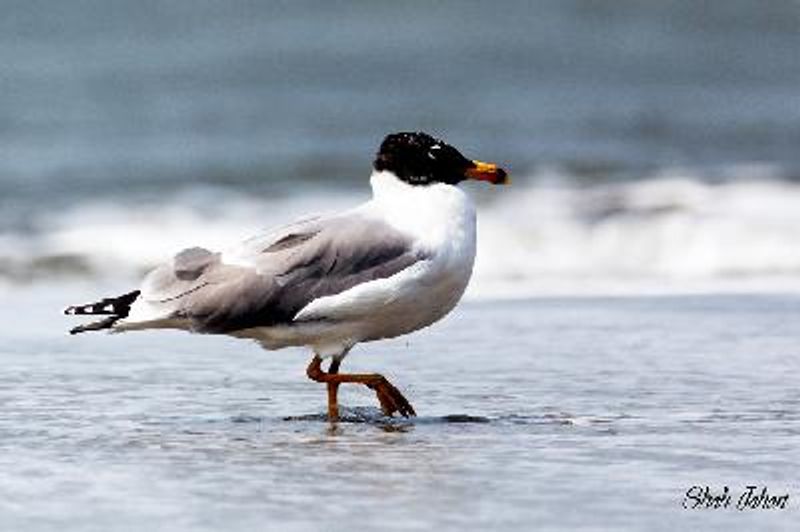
333,390
390,397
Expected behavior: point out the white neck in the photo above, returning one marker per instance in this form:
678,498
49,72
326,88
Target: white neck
386,186
434,214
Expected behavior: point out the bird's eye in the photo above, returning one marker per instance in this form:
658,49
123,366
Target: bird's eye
433,150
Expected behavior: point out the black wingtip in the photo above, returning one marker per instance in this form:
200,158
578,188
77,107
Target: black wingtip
106,323
115,308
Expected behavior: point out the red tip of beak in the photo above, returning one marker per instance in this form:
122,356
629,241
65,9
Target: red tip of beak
488,172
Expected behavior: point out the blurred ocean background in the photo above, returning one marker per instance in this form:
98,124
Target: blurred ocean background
653,145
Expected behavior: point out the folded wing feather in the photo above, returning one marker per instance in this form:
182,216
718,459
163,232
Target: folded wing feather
284,271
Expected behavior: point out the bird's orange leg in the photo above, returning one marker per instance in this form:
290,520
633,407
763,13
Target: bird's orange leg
390,397
333,390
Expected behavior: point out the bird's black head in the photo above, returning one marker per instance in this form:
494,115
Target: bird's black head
419,159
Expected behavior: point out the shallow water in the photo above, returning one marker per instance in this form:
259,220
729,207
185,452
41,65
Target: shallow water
551,413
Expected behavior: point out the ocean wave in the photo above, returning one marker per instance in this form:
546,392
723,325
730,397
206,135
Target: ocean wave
669,232
547,234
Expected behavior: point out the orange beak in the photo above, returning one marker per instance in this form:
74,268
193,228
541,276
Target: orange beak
488,172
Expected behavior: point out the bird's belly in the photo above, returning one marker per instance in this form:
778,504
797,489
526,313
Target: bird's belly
326,338
415,309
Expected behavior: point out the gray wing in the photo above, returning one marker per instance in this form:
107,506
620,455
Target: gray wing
290,268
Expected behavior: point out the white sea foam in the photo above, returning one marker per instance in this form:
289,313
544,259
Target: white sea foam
548,234
668,233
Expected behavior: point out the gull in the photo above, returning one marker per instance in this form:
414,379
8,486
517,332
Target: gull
390,266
